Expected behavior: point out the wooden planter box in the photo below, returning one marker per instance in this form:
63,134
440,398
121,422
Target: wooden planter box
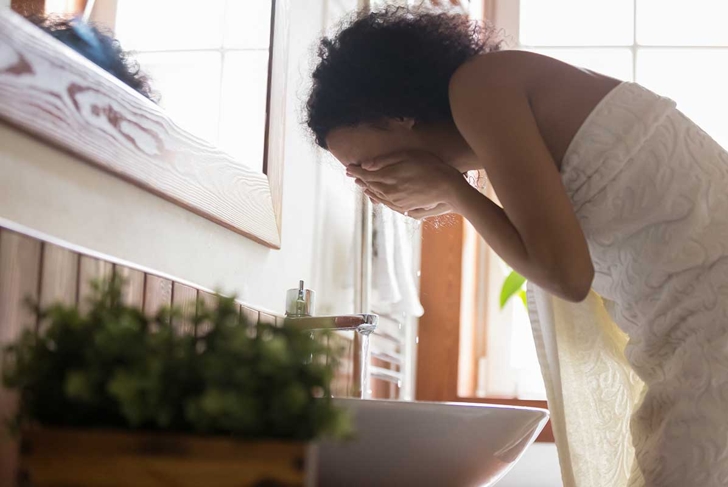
53,457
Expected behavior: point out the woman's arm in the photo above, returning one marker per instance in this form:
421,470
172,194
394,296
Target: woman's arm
536,232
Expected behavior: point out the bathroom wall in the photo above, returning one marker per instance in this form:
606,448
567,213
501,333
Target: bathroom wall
57,195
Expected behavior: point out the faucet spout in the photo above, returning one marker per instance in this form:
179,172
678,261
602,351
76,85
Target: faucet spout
365,324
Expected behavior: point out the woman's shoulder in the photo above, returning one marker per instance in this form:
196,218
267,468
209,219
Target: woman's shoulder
501,68
491,77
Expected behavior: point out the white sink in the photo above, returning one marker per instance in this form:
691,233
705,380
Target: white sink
428,444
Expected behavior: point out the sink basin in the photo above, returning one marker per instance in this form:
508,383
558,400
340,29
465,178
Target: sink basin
428,444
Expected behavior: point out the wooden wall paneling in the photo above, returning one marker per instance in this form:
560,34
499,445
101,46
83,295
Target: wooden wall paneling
157,294
210,301
184,298
20,260
89,271
59,277
266,319
133,292
20,263
249,317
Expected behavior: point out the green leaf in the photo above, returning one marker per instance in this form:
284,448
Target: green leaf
524,298
511,286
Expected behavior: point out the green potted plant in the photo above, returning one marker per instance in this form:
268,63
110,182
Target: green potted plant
113,397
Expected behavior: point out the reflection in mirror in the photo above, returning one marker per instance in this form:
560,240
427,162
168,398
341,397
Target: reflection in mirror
209,62
97,46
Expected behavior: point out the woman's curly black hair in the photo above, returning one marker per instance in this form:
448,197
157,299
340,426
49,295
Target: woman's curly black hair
99,47
392,63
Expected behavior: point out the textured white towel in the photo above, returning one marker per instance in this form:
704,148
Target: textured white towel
637,375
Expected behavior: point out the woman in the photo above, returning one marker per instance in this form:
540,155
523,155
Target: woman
603,185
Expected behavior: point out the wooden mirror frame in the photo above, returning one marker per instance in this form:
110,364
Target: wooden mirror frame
55,94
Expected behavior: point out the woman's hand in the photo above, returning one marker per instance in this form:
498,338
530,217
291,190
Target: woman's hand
415,183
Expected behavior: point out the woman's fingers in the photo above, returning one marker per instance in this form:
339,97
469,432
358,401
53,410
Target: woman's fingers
383,161
375,191
367,176
375,198
383,189
378,189
424,213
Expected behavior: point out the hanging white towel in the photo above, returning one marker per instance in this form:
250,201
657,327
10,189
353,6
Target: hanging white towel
393,277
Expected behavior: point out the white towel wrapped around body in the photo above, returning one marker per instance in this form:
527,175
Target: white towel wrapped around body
637,375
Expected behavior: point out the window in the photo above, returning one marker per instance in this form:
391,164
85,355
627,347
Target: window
675,48
209,64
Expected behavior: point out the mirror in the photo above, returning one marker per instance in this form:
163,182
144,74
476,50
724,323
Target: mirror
214,144
209,62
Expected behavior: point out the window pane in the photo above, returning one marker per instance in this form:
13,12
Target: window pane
157,25
577,22
612,62
510,365
189,84
247,24
681,23
244,92
695,79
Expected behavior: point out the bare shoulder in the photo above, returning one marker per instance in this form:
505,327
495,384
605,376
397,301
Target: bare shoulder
501,68
528,89
496,80
492,83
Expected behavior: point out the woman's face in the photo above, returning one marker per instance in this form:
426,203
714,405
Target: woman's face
354,145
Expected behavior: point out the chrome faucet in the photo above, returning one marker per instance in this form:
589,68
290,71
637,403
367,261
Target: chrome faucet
300,309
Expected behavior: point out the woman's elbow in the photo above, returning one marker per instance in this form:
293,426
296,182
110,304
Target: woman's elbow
574,284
